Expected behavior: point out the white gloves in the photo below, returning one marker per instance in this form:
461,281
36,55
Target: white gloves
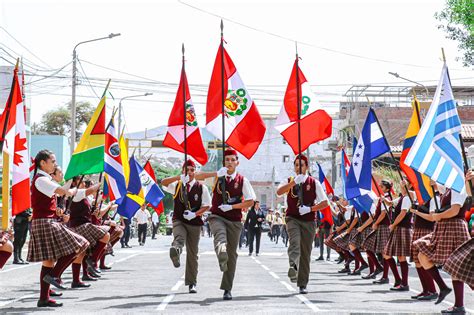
225,208
189,215
71,192
299,179
184,179
222,172
304,210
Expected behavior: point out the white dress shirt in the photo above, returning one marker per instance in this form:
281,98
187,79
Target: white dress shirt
142,216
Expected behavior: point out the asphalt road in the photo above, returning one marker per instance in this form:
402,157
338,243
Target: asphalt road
144,280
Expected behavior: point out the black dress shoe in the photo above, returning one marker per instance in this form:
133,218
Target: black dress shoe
53,281
17,262
377,272
356,272
369,276
192,288
227,295
75,285
344,270
363,267
320,258
400,288
105,268
442,294
88,278
416,297
293,274
54,293
303,290
458,310
428,297
381,281
48,303
24,262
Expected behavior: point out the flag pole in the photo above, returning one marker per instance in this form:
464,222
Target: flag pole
298,109
463,149
9,105
223,93
183,86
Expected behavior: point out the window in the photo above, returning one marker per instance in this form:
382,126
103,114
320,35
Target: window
286,158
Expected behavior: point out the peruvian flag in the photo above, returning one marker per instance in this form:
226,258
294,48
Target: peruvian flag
315,123
324,182
244,128
15,144
149,169
174,138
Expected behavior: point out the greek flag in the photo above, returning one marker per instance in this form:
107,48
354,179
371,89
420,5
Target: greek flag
437,150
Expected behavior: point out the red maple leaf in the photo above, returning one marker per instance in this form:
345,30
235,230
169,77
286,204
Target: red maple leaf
20,145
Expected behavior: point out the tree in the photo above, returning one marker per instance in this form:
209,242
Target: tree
162,172
458,23
58,121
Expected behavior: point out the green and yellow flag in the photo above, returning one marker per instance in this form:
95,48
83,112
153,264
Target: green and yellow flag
88,157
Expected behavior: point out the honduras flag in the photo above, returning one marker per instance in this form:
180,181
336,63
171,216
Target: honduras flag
371,145
437,149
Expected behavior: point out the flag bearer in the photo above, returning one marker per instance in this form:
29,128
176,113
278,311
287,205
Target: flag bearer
187,220
225,220
300,220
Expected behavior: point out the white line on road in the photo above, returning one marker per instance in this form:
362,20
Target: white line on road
124,259
265,267
274,275
177,285
288,286
165,302
308,303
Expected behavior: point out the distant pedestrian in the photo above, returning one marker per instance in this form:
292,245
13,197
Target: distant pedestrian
143,217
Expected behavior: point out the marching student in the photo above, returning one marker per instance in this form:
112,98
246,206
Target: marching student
51,242
343,239
399,241
449,233
421,228
300,219
339,227
225,220
187,219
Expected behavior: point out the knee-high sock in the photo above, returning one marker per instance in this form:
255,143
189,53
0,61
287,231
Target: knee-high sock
434,273
458,287
393,267
357,264
371,264
84,268
404,269
102,261
429,282
4,255
422,277
358,256
374,259
62,264
44,286
76,273
97,251
385,268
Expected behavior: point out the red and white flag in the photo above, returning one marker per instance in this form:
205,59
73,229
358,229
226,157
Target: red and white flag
315,123
244,128
174,138
15,144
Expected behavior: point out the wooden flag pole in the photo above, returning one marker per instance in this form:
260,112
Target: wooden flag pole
298,109
184,190
5,191
223,94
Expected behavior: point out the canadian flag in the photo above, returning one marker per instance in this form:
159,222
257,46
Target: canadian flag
315,123
244,128
174,138
15,144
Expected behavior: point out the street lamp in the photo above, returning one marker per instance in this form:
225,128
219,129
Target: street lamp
396,75
120,107
73,100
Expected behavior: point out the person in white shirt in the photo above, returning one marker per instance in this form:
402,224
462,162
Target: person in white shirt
155,221
143,217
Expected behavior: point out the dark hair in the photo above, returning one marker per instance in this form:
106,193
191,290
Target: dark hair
42,155
387,184
88,183
74,181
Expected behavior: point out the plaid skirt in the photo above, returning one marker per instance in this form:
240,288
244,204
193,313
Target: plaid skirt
51,240
359,238
342,240
376,240
399,242
92,233
417,234
460,264
329,241
445,238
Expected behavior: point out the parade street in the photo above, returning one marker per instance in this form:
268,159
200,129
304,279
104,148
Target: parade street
142,279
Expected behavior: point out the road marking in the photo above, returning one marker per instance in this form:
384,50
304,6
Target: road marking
274,275
5,303
288,286
165,302
258,261
124,259
20,267
308,303
265,267
177,285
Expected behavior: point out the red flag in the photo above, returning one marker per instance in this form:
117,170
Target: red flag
174,138
244,128
15,144
315,123
326,215
149,169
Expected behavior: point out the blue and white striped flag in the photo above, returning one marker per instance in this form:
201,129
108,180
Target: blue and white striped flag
437,150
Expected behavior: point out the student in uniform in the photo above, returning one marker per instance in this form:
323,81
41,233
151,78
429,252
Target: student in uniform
421,228
51,242
300,219
6,248
347,231
449,233
187,219
399,241
225,220
340,226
